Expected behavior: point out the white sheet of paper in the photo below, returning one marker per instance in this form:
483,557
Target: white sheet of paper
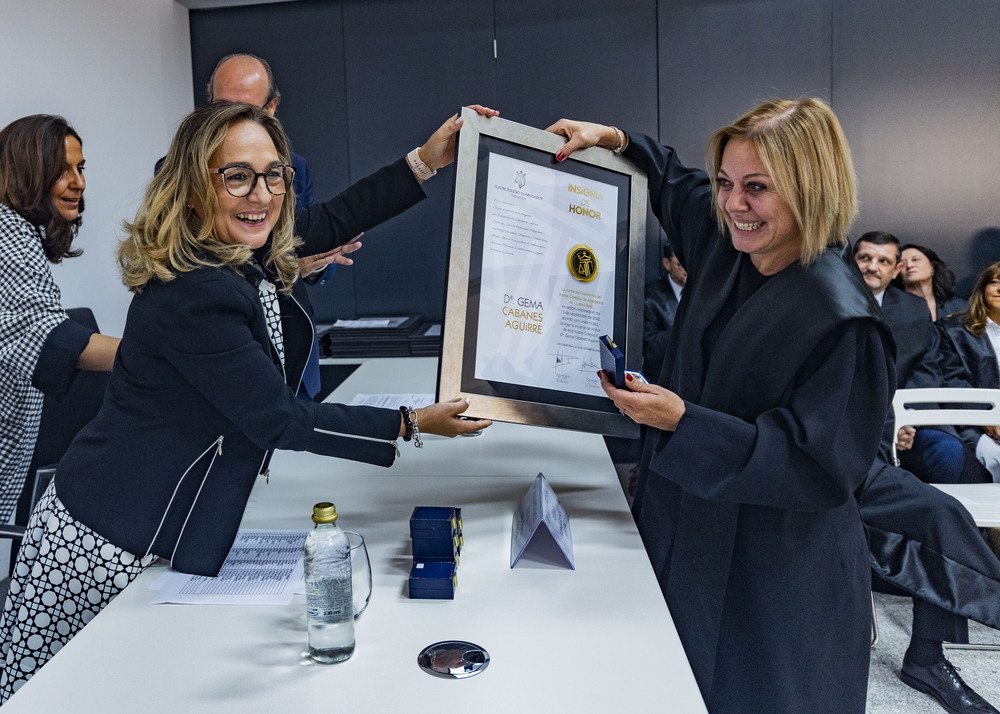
538,323
392,401
364,322
264,567
540,511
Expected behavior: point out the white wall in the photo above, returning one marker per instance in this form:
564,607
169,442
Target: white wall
120,72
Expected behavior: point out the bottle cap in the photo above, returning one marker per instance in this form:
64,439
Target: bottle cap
324,512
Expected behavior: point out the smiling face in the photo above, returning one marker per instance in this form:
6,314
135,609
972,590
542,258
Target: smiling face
67,191
759,220
916,268
991,296
248,220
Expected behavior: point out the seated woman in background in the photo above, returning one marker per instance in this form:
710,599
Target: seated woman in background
202,391
41,349
925,275
970,345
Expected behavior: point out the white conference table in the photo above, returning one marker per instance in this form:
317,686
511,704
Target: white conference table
982,500
595,639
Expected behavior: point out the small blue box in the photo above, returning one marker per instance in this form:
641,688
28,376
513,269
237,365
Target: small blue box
428,520
442,547
433,580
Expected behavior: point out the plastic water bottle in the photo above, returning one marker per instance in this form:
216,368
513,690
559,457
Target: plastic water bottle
329,601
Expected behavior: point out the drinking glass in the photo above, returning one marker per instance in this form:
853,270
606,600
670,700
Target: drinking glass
361,572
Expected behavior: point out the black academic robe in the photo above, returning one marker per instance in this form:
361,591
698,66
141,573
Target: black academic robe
747,510
967,361
916,339
926,543
918,362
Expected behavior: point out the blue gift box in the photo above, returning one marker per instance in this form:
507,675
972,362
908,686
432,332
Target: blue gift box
443,547
434,520
433,580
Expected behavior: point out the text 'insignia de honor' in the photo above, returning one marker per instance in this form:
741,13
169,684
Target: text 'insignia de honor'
582,263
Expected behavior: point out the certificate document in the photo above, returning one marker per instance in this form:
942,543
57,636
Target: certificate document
548,266
546,257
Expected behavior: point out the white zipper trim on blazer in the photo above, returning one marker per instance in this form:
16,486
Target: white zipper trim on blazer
392,442
217,445
194,502
312,343
265,474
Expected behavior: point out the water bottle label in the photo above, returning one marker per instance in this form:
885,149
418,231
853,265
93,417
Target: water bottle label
329,601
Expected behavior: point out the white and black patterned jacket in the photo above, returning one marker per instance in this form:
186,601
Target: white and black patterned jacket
39,348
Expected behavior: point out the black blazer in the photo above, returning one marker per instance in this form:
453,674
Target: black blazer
197,400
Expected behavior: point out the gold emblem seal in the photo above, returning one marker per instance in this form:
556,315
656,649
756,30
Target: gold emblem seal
582,262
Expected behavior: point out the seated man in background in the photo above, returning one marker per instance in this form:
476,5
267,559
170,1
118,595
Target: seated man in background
662,296
934,455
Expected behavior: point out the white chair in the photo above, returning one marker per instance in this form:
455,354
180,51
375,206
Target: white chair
983,408
980,407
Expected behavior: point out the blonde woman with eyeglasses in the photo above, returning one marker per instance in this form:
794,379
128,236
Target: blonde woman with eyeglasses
203,388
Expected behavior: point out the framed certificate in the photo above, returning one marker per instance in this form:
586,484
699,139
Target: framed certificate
545,258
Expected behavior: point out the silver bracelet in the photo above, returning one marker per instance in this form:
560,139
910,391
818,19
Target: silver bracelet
620,146
417,441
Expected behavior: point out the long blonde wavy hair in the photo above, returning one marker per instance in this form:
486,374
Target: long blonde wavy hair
168,237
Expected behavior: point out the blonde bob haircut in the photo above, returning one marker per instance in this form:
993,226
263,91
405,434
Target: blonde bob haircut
975,318
168,237
804,150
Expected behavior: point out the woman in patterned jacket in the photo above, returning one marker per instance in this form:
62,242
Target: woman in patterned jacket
41,349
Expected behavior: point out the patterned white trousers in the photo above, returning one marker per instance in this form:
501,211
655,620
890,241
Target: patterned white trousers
64,575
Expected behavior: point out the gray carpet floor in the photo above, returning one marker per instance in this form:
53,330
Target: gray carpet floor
888,695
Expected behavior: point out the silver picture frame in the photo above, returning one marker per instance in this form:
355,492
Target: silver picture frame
511,402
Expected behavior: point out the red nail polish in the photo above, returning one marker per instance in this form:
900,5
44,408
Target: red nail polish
560,156
628,377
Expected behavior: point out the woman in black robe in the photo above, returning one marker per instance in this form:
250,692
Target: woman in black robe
780,374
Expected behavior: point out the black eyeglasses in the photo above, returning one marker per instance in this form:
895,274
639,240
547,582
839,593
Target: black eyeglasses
240,181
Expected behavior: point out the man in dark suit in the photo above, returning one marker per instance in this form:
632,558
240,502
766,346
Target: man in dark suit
662,296
933,455
896,508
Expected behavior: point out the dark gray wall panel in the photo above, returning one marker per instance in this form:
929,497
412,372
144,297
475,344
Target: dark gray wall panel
720,59
582,59
916,84
410,64
303,42
917,87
